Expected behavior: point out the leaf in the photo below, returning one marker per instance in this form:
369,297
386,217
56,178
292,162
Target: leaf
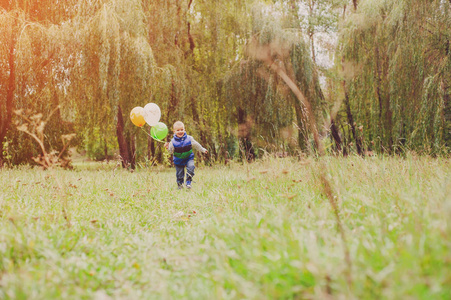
36,117
23,127
40,128
18,111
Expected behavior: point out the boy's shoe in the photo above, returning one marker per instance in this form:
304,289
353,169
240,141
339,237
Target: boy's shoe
180,187
188,184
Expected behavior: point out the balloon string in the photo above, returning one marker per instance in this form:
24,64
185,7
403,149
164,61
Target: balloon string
152,136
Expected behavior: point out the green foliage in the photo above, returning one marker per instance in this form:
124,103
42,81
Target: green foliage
395,57
28,76
7,155
192,59
99,146
262,231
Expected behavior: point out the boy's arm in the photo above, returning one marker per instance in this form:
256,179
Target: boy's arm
197,146
170,147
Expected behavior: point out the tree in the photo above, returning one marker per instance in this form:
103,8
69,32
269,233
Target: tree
27,54
112,67
397,88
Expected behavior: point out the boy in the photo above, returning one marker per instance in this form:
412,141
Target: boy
181,146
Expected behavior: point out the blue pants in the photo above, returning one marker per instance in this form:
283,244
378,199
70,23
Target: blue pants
180,172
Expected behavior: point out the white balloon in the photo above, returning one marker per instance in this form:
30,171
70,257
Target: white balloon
152,114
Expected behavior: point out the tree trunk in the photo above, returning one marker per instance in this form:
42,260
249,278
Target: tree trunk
345,139
244,136
123,148
190,37
351,120
312,45
173,102
336,135
301,120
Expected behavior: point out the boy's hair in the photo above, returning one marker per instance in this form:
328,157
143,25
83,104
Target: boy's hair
178,124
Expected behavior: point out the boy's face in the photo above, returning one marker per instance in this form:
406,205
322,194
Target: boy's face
179,131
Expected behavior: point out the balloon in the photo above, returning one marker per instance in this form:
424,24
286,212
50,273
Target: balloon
159,131
152,114
137,116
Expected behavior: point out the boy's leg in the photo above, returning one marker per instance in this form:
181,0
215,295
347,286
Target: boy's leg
189,172
180,173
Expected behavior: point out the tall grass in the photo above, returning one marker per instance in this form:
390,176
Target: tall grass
259,231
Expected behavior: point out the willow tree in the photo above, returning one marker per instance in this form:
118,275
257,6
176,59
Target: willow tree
30,73
397,53
319,21
192,43
43,11
168,33
220,36
259,103
195,43
111,70
169,36
281,84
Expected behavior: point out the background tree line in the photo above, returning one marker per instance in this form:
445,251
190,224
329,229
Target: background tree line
224,68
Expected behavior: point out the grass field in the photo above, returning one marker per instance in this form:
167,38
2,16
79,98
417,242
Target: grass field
264,230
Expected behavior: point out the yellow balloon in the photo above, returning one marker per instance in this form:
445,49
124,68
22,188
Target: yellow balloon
137,116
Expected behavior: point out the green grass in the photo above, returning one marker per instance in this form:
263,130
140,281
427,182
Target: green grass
260,231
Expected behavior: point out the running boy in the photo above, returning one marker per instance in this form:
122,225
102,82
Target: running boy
181,146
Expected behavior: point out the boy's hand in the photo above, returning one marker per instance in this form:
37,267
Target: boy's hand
206,152
166,145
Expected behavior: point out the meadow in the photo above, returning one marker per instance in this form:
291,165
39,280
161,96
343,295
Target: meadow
265,230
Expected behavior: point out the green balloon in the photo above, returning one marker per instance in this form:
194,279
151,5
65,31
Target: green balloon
159,131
